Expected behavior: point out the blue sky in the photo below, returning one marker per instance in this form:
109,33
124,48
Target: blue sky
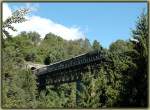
105,22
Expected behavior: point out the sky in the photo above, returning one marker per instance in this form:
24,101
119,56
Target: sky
104,22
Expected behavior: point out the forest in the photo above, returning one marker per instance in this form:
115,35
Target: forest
122,83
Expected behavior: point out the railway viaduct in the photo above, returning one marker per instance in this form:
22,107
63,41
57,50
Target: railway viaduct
69,70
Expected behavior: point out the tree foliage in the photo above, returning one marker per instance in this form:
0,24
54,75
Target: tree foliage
122,81
96,45
18,16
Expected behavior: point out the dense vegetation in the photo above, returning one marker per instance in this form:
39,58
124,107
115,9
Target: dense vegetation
122,83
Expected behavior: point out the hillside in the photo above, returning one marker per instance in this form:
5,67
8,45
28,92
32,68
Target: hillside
123,83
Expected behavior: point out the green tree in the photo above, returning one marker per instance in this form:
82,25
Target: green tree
19,90
88,95
140,34
30,57
35,37
17,17
96,45
120,46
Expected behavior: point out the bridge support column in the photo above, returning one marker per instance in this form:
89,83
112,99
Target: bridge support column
78,89
41,83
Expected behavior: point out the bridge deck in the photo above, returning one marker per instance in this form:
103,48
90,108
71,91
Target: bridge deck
70,69
77,61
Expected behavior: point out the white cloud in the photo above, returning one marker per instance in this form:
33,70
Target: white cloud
44,26
6,11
